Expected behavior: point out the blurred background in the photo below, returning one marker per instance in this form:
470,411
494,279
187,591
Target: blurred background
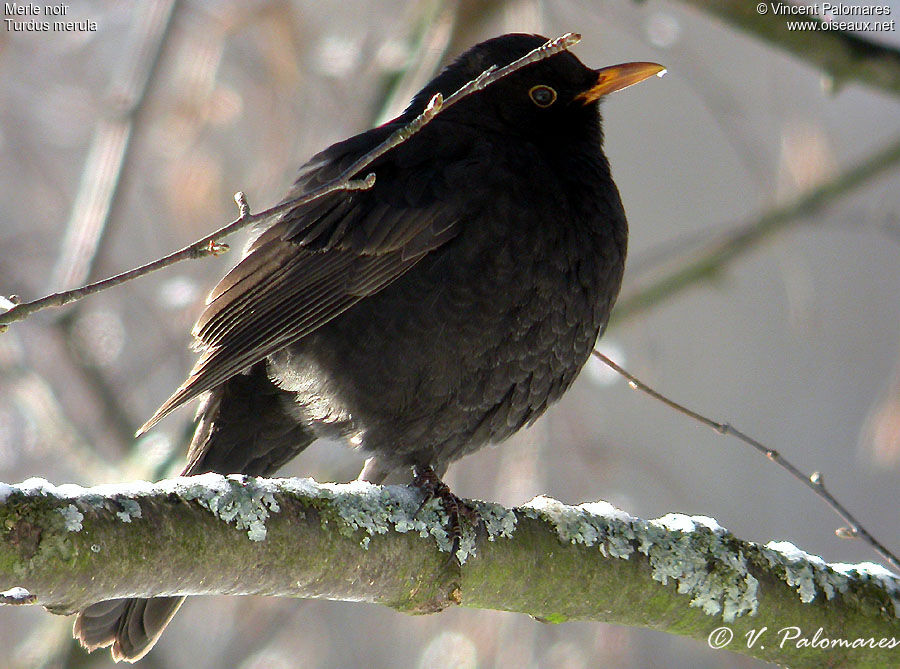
125,139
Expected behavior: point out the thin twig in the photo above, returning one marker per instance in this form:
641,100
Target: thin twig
814,481
209,244
199,249
438,104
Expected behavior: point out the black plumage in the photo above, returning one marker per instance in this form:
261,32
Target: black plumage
443,309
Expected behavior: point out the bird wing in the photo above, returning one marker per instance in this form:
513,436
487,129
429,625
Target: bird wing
320,258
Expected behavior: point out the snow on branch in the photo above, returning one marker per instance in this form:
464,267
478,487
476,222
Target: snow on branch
64,547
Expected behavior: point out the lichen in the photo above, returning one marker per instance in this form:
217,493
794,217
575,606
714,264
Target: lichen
610,530
234,499
702,563
691,551
72,517
247,502
696,553
499,522
876,573
130,509
361,506
807,574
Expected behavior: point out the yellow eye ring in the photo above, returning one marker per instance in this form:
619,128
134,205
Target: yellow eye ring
541,95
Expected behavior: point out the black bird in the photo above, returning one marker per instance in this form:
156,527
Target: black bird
443,309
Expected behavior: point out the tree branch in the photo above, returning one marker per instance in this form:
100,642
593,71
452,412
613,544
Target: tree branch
709,260
842,55
65,547
348,180
111,142
815,481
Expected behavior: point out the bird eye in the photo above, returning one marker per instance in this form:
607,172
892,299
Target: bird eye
542,96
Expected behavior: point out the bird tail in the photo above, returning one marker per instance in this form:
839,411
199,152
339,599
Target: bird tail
244,426
130,626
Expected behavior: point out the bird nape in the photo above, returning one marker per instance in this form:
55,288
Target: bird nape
441,310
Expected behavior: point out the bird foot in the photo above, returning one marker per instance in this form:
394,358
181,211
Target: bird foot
431,484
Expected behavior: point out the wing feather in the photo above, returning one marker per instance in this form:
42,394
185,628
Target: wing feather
320,259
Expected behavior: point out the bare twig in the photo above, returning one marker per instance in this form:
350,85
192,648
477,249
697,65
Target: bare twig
199,249
814,481
209,244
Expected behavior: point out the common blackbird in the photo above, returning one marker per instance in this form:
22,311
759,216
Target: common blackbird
443,309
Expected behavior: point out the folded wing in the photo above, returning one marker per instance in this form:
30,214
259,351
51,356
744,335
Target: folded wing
319,259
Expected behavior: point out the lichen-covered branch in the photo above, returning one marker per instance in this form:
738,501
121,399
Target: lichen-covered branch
65,547
844,56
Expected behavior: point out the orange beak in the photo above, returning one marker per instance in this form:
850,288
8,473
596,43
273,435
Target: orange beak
616,77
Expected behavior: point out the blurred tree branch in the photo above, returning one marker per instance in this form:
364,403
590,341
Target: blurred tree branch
842,55
103,174
70,546
110,144
713,257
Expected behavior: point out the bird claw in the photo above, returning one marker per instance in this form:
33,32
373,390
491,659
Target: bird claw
426,480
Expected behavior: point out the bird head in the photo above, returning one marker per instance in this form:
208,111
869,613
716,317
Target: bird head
545,97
